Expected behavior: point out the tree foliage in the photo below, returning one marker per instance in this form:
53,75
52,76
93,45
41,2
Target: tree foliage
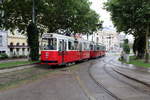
131,17
51,15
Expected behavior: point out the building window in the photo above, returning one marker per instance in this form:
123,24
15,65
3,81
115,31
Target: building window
23,51
17,44
23,44
0,40
17,49
2,52
11,44
11,50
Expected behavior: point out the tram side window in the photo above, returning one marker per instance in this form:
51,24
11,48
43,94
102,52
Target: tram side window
71,45
98,48
88,46
80,46
91,47
94,47
85,46
76,45
65,45
62,45
51,44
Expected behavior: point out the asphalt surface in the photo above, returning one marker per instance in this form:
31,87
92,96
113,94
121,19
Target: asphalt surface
54,87
93,80
120,86
63,85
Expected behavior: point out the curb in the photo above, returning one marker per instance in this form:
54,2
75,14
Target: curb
132,78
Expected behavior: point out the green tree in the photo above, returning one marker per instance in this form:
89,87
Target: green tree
132,17
74,16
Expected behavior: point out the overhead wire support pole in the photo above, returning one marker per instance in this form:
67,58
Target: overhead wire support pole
33,11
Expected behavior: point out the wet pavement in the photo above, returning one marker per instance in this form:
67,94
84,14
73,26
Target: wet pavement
55,87
122,87
63,85
93,89
99,79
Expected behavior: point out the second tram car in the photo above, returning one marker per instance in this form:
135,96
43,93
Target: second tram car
59,49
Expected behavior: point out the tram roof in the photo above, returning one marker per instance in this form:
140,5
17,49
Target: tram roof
55,35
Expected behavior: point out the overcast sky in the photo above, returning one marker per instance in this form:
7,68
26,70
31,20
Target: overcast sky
98,5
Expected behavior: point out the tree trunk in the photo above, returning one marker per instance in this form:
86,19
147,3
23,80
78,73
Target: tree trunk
33,41
147,45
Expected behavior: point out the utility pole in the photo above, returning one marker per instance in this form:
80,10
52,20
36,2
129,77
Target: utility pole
33,11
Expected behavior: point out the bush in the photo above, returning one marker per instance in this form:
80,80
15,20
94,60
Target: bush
3,56
126,47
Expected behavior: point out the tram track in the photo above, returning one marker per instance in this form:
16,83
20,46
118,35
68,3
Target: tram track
125,80
101,85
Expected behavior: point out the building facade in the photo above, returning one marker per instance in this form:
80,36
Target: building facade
108,37
17,44
3,42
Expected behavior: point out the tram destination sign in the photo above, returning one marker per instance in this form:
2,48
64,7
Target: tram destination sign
47,35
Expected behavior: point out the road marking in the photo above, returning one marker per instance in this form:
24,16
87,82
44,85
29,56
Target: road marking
87,93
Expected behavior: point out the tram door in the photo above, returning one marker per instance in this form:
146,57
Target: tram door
62,49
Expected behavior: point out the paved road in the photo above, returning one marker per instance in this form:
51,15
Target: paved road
54,87
74,85
94,80
120,86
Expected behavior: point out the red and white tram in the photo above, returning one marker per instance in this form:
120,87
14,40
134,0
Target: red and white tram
59,49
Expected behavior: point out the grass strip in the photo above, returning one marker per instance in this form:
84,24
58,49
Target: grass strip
136,62
15,64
